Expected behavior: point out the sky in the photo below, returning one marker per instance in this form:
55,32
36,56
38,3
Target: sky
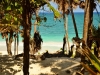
75,10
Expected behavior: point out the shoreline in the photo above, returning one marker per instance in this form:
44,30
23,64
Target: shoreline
50,46
49,66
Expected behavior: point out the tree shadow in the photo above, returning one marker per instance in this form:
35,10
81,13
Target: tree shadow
57,65
9,66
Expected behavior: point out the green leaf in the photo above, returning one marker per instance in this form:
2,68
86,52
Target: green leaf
20,10
15,18
56,13
94,60
8,8
16,3
6,19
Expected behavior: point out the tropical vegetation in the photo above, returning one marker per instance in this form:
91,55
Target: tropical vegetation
18,13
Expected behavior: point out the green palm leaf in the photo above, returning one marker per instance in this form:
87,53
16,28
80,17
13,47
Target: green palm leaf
56,13
93,59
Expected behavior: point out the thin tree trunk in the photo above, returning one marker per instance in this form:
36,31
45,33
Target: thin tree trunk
8,47
75,27
9,42
35,29
35,23
17,42
74,22
35,26
86,22
15,46
66,29
85,29
27,27
90,20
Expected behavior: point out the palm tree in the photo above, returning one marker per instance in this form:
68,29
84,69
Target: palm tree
74,22
86,21
63,6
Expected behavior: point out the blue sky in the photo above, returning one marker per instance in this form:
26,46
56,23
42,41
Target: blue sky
75,10
81,10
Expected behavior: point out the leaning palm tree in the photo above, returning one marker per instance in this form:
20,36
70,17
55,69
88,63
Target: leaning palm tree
65,18
67,6
63,6
88,20
74,22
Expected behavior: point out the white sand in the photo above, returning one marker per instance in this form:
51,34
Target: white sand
49,66
50,46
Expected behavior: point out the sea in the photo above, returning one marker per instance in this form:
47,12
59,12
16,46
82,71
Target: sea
52,31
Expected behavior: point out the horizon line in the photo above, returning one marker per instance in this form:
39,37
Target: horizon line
74,12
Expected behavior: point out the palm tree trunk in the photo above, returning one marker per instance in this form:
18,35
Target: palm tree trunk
35,26
90,21
85,29
66,29
75,27
17,42
88,18
86,22
74,22
35,23
26,15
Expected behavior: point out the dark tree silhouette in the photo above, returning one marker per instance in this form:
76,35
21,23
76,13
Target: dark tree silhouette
37,41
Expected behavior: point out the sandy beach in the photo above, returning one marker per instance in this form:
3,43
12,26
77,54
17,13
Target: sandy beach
54,27
49,66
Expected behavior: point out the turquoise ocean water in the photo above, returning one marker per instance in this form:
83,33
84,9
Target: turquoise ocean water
52,31
56,31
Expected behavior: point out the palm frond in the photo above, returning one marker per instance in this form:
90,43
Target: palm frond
89,69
